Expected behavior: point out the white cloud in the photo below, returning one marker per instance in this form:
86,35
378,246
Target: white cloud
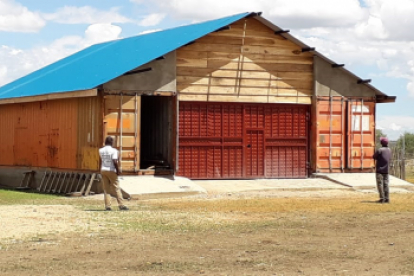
373,28
86,15
394,126
16,18
102,32
18,62
316,13
292,14
3,73
389,19
410,88
152,19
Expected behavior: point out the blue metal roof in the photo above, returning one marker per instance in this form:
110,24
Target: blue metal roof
103,62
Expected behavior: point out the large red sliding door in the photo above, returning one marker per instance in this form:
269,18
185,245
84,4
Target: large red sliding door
222,140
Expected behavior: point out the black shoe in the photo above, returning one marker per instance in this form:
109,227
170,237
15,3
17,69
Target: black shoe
380,201
108,209
386,201
123,208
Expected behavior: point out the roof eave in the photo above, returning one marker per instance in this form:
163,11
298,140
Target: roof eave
51,96
386,99
293,39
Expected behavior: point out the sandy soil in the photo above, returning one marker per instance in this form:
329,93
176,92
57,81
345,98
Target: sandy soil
342,233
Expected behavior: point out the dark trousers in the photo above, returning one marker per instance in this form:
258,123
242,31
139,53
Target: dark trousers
382,185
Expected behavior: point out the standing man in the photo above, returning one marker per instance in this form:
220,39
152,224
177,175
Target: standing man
382,158
110,172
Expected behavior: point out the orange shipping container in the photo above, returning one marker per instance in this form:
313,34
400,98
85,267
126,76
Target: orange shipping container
345,134
61,134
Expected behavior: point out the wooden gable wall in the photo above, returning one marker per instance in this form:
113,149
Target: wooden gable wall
247,63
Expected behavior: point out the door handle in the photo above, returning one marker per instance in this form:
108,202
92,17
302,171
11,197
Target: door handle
249,146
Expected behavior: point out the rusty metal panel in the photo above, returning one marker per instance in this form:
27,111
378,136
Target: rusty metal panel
7,122
345,134
231,140
122,120
61,134
89,125
361,134
331,134
40,134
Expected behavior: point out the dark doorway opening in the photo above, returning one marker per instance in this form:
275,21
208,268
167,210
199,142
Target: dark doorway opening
157,133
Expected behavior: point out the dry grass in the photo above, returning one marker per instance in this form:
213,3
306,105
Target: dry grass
348,235
356,204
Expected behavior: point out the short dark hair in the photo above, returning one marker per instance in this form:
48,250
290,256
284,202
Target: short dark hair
109,141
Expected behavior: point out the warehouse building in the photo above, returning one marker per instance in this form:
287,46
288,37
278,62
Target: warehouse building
232,98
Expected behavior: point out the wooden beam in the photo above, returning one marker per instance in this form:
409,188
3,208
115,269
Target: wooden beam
138,92
53,96
282,32
363,81
308,49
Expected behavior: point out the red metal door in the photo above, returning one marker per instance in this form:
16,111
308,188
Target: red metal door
233,140
254,153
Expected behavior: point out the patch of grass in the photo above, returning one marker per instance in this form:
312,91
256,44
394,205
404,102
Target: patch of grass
10,197
362,204
409,176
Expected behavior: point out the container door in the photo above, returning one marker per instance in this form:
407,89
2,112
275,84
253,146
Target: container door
361,135
122,121
330,130
254,150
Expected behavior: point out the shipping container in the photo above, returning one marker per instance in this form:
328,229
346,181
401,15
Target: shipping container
345,134
51,134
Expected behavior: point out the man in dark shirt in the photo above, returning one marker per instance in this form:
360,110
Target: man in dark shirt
382,158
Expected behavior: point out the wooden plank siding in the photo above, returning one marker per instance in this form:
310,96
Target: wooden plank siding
247,63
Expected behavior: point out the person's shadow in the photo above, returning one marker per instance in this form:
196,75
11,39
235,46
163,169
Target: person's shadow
370,201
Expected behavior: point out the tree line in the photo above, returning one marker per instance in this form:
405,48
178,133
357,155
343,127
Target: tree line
398,145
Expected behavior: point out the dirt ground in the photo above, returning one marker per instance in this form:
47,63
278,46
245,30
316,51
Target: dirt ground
261,233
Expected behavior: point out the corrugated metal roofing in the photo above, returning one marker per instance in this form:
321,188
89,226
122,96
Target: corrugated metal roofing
103,62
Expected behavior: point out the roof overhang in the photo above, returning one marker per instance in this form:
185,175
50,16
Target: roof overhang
386,99
53,96
380,96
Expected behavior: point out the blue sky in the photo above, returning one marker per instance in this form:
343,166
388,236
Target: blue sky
373,38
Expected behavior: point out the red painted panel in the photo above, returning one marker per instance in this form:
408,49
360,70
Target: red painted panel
214,140
232,162
254,153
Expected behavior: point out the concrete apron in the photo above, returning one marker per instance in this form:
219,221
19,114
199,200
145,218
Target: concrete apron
365,182
148,187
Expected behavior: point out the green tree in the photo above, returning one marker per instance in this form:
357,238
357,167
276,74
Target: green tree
409,144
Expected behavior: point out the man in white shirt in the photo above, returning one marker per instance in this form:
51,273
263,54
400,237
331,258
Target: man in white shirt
110,172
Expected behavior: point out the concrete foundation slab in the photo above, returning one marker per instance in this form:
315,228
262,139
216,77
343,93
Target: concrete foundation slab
147,186
230,186
364,181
